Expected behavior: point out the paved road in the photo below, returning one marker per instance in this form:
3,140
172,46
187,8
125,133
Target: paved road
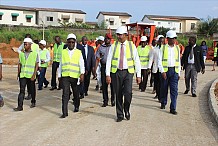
94,125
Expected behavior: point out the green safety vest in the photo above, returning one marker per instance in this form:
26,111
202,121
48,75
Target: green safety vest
35,47
43,57
71,66
27,65
143,54
57,52
164,50
116,55
215,52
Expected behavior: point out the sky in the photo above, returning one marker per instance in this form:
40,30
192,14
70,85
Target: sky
136,8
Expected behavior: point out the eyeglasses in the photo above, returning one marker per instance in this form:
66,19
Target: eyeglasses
71,42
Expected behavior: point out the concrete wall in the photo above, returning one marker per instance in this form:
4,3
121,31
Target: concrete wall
175,25
42,16
188,23
73,17
21,19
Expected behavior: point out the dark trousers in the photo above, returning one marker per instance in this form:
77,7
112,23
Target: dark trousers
105,86
42,78
67,83
144,79
55,66
122,82
157,84
172,82
32,90
151,79
84,86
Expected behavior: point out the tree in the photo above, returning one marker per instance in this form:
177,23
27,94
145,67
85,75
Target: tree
161,30
207,26
102,25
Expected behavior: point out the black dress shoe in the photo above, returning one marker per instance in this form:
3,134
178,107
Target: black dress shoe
76,109
113,103
28,97
173,112
32,105
194,95
81,96
52,88
46,85
156,97
59,88
18,109
162,106
63,116
104,105
86,94
119,119
127,115
186,92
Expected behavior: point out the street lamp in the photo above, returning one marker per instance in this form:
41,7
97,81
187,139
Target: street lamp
43,30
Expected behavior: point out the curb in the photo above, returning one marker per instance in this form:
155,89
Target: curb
213,104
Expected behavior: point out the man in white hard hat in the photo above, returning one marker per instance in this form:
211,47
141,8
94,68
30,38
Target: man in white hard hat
70,69
44,60
122,62
169,66
27,67
146,62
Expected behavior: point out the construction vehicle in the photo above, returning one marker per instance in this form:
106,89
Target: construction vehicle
139,29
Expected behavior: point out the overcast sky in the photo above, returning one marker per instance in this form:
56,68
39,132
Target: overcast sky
136,8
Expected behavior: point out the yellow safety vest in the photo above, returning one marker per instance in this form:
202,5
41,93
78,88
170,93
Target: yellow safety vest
116,55
27,65
57,52
71,66
164,50
35,47
143,55
215,52
43,57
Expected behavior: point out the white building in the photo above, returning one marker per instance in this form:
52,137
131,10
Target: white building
14,15
113,19
11,15
180,24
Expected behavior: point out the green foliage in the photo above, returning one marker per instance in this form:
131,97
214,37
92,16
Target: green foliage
102,25
161,30
208,26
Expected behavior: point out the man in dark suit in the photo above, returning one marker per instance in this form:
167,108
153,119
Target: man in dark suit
193,63
88,54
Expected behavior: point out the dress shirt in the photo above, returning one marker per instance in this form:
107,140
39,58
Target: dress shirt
86,50
70,52
191,61
171,58
125,65
154,57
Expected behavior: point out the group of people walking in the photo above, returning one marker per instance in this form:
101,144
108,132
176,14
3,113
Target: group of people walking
117,63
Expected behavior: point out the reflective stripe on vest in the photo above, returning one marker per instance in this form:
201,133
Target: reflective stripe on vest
27,65
116,55
143,55
71,66
215,52
164,50
57,52
43,57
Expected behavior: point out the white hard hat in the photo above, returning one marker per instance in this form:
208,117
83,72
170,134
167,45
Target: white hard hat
143,39
43,42
121,30
171,34
158,37
71,36
28,40
101,38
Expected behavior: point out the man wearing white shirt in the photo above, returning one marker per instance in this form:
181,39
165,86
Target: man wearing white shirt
71,68
44,60
169,66
122,62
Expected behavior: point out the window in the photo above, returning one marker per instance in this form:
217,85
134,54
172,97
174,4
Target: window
49,18
111,22
192,26
28,19
14,18
169,22
65,20
0,17
159,23
123,23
